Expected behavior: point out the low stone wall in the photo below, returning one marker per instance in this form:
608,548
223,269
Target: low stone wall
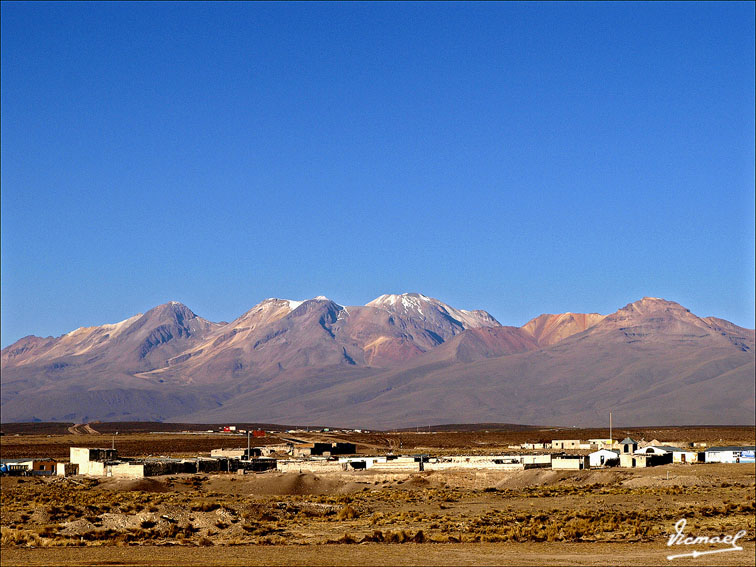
310,466
396,465
127,470
478,465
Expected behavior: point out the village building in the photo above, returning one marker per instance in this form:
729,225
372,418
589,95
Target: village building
653,450
575,462
565,444
239,453
300,450
601,443
679,455
105,462
310,465
604,458
639,460
91,461
628,445
39,466
731,454
281,448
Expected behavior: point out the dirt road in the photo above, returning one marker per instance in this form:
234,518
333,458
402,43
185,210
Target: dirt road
373,554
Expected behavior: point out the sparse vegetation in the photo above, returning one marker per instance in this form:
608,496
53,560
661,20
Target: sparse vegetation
536,506
618,508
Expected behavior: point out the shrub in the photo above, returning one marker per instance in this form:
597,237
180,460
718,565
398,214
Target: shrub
205,507
346,538
347,513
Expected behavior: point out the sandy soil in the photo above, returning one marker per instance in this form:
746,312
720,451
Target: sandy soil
375,554
532,517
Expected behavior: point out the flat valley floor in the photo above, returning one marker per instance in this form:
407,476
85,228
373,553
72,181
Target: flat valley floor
531,517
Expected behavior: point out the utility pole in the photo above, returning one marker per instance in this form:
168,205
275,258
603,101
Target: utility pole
611,439
248,448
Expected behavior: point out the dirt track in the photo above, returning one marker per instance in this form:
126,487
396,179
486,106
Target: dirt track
374,554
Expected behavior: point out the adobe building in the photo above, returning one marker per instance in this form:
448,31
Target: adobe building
574,462
565,444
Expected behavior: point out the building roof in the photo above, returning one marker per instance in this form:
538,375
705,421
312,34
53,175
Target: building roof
628,441
671,449
25,460
732,448
570,456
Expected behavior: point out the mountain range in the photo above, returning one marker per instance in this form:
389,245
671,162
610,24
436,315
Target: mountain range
398,361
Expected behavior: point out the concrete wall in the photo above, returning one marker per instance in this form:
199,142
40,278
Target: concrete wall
78,455
488,465
310,466
565,444
86,459
570,463
638,460
369,461
301,451
401,464
232,453
126,470
92,468
536,459
608,457
684,457
281,448
631,460
740,456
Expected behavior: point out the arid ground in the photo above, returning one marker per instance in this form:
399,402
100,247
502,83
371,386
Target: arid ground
538,516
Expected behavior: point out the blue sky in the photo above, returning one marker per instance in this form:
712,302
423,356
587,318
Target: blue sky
519,158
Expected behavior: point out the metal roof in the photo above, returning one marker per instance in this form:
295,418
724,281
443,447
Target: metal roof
671,449
732,448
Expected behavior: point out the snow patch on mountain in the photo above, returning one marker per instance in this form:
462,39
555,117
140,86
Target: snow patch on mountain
422,306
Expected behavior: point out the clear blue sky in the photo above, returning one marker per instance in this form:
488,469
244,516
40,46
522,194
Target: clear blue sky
519,158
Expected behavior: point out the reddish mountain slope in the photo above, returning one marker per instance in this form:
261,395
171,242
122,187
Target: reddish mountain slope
549,329
400,360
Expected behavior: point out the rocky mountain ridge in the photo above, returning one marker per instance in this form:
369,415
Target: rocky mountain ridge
282,356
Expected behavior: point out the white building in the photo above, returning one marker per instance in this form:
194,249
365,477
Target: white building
575,462
653,450
732,454
603,458
565,444
678,455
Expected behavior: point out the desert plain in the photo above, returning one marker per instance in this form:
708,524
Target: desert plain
611,516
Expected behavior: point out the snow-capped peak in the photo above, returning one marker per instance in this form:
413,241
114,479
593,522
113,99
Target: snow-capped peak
405,299
417,304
